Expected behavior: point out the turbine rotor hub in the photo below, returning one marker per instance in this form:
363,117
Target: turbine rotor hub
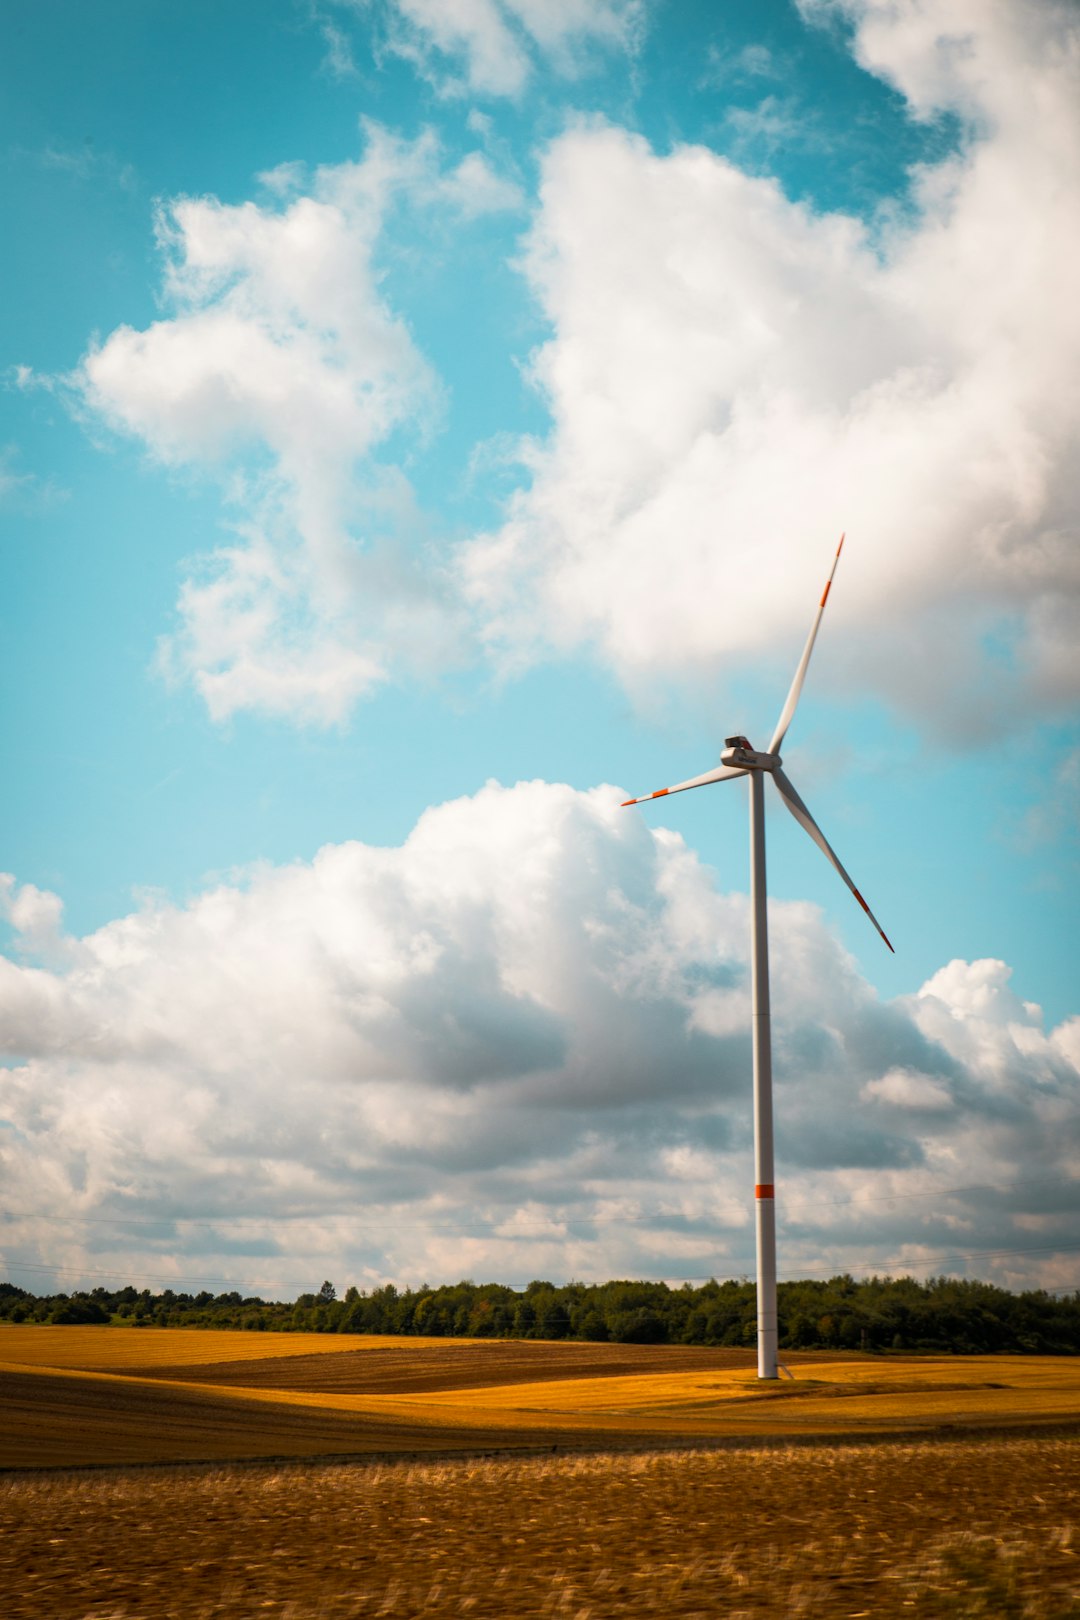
738,753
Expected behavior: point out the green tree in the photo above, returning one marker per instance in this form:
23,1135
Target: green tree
524,1320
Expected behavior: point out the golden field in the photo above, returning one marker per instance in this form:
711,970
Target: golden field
862,1487
78,1396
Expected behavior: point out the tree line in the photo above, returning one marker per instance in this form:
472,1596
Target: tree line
943,1314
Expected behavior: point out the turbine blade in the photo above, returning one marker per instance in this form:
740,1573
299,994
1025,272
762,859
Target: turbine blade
807,822
721,773
800,674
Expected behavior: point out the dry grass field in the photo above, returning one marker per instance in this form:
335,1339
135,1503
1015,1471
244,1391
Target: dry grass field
977,1527
681,1487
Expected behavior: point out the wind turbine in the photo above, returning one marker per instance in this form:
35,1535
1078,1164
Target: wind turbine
739,759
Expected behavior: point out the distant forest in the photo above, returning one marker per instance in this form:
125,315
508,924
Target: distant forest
877,1314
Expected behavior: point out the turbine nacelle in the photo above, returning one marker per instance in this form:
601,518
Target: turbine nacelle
738,755
739,759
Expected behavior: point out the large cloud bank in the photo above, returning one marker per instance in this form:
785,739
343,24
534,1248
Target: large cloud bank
734,378
516,1045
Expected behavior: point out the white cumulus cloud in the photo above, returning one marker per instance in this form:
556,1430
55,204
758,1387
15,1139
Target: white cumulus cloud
489,47
36,916
516,1044
734,378
282,368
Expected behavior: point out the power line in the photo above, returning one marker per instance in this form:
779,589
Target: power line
876,1266
936,1192
487,1226
133,1277
810,1274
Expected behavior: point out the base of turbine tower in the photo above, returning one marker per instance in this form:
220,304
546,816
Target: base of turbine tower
768,1324
768,1355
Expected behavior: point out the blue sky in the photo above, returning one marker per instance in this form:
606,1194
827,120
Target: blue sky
403,398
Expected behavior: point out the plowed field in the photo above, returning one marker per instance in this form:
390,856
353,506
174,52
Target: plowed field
82,1396
67,1420
421,1366
663,1500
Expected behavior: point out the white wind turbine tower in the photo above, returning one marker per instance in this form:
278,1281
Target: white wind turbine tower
739,759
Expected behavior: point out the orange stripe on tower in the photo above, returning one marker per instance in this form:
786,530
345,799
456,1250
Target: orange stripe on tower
765,1189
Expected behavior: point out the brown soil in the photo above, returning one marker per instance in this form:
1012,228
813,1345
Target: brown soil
423,1366
966,1529
64,1420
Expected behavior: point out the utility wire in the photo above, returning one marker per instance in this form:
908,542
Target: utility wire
489,1225
133,1277
876,1268
807,1275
